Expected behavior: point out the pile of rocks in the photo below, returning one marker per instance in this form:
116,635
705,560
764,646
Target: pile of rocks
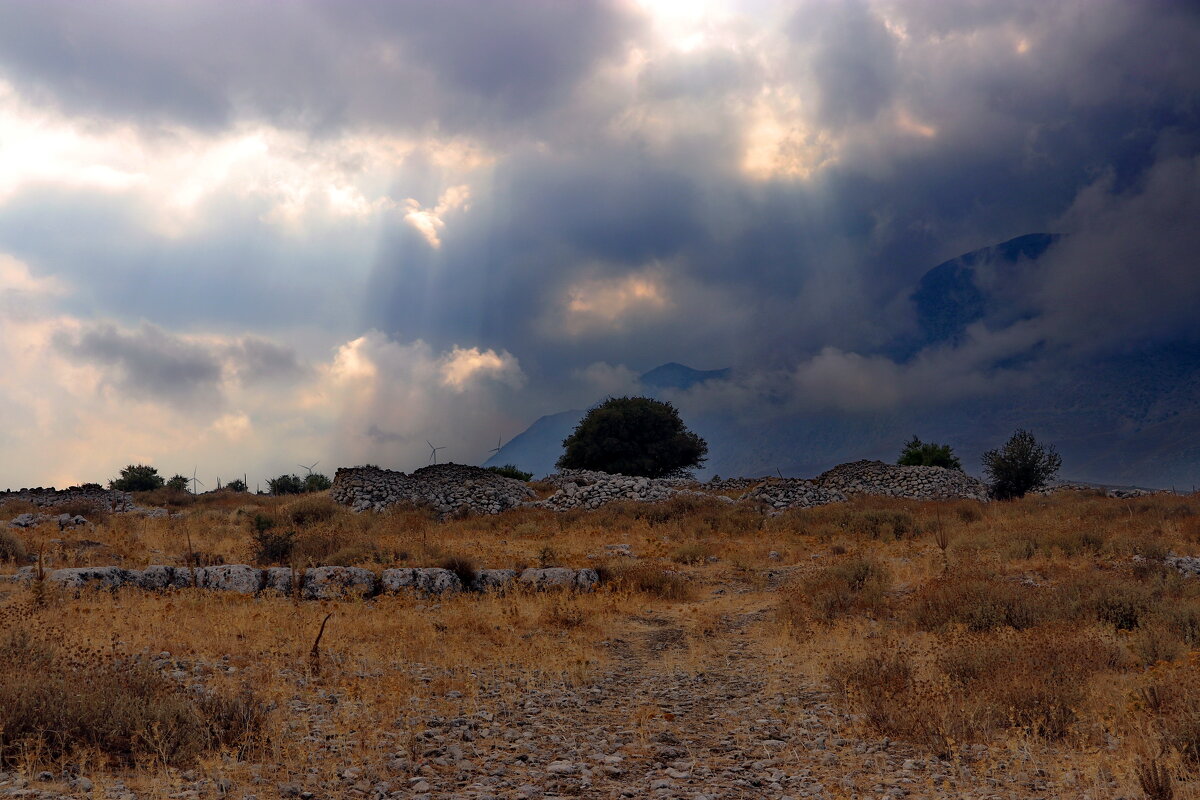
446,488
92,494
579,488
914,483
784,493
718,484
64,521
318,583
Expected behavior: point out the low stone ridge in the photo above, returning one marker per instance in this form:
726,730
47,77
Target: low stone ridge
578,488
64,521
447,488
318,583
783,493
891,480
89,493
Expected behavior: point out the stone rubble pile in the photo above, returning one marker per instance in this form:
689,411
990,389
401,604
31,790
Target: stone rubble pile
318,583
718,484
783,493
89,493
891,480
579,488
446,488
64,521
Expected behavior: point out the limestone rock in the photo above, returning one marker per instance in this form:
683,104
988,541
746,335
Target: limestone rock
239,578
429,580
328,583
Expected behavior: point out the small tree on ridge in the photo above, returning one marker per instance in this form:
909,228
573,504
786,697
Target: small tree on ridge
1020,466
928,454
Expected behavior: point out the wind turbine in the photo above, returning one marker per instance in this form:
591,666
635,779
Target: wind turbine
310,469
195,480
433,451
496,449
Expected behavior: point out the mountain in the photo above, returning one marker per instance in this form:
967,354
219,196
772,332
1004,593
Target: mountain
677,376
1122,418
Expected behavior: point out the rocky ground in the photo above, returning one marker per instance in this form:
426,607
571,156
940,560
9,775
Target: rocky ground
676,711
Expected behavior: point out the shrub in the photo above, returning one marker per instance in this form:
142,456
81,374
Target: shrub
649,579
178,483
316,482
61,703
463,567
633,436
236,485
286,484
137,478
979,603
859,584
927,454
271,547
310,510
512,471
11,547
1020,466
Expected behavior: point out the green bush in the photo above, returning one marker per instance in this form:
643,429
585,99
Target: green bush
286,484
178,483
633,436
511,471
137,478
927,454
236,485
316,482
1020,466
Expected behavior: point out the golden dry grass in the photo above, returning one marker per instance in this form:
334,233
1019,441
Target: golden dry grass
1026,625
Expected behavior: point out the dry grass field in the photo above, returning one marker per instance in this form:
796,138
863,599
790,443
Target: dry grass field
877,648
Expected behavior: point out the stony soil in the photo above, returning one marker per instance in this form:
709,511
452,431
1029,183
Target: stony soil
666,716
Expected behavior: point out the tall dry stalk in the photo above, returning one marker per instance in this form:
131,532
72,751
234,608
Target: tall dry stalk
314,655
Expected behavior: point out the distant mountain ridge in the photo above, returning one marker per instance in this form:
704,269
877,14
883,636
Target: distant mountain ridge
1124,418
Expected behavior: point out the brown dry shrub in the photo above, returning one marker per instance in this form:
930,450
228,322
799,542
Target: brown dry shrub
858,584
1172,698
979,602
56,702
462,566
310,509
11,547
977,685
648,579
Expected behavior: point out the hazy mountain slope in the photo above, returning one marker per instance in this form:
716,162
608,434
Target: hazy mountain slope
1125,418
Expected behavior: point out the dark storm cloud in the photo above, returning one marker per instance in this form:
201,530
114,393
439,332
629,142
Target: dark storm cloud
949,126
149,363
315,63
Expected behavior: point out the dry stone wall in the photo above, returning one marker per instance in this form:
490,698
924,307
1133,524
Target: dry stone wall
446,488
318,583
783,493
92,494
890,480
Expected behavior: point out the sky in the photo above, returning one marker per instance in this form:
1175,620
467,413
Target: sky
236,237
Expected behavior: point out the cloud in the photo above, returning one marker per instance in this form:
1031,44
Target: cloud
283,201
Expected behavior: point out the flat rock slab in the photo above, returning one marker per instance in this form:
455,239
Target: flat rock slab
238,578
560,578
98,577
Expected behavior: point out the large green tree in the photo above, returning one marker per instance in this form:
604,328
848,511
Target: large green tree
633,436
